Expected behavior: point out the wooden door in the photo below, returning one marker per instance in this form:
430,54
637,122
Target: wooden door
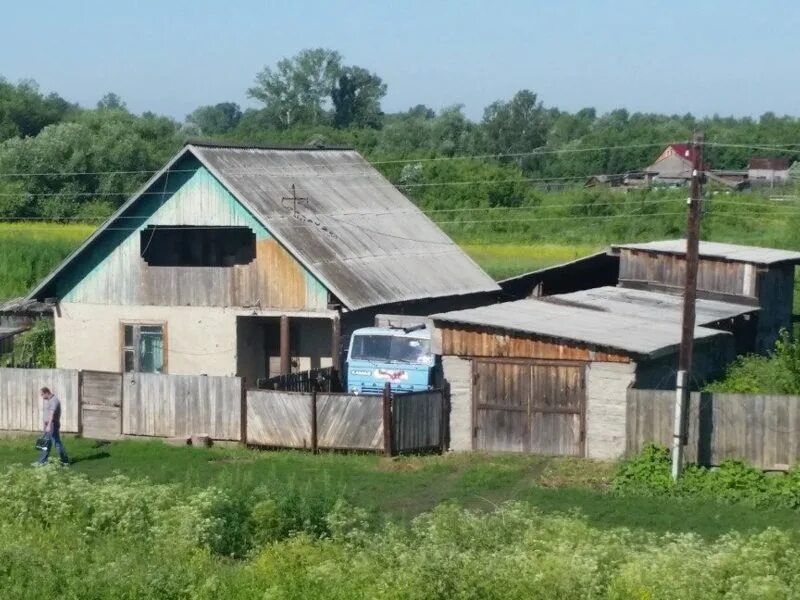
101,405
525,406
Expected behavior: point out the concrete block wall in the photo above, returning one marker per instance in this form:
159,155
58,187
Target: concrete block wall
458,374
606,399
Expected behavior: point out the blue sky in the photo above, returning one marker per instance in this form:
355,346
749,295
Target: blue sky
701,56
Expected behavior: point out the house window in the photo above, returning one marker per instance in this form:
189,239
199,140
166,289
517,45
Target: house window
142,348
197,246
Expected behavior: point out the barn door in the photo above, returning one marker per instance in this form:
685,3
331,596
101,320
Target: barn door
529,407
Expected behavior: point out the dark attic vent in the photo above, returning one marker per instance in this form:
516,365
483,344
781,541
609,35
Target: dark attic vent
197,246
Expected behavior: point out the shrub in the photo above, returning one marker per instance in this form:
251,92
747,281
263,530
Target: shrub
733,482
646,473
778,373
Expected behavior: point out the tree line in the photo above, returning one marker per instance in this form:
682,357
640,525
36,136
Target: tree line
55,156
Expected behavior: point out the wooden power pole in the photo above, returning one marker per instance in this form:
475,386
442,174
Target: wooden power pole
689,300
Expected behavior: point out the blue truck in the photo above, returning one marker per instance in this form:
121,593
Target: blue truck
399,356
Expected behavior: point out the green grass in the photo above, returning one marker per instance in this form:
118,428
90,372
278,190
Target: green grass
507,260
29,251
400,489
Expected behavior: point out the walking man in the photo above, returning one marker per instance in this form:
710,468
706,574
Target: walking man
52,427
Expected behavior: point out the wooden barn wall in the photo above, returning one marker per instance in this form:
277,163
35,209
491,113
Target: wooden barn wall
669,269
473,342
776,297
113,272
21,407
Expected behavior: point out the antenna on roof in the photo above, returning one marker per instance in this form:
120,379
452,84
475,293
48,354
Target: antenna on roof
295,199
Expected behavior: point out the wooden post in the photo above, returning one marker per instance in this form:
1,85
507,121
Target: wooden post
387,419
314,443
80,404
336,334
285,356
243,413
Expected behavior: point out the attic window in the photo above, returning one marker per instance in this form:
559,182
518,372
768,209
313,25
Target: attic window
197,246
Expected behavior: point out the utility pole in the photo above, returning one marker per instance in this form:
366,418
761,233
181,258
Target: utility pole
689,301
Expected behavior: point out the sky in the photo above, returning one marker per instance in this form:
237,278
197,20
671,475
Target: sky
727,57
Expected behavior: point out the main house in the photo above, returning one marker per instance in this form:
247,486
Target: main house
252,261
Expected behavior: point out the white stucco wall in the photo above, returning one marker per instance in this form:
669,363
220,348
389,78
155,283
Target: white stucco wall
606,399
458,373
200,340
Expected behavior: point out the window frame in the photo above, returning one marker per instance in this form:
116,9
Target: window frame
133,347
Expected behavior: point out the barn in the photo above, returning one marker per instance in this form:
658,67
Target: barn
762,277
550,376
252,261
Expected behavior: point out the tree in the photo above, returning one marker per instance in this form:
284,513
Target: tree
24,111
298,90
518,126
217,119
356,98
111,101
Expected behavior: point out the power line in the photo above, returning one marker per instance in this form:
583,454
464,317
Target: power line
363,163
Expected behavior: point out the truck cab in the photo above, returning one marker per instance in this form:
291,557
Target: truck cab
381,355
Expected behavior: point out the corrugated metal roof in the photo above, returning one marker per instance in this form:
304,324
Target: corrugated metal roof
362,238
356,232
734,252
652,305
632,335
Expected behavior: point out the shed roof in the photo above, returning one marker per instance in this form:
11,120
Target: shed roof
9,332
732,252
771,163
362,238
656,306
577,324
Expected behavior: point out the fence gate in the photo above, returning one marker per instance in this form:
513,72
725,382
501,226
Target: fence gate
101,405
524,406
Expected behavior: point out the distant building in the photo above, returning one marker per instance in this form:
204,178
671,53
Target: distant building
675,164
768,171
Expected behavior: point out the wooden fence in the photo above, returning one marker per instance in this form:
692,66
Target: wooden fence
181,406
112,405
21,408
319,420
761,429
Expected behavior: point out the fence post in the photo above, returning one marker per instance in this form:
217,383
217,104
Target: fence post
243,412
80,404
314,443
387,419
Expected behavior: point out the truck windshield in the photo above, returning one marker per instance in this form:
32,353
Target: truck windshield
390,348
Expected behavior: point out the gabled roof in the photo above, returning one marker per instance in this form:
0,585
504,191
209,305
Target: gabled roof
356,233
732,252
578,324
769,163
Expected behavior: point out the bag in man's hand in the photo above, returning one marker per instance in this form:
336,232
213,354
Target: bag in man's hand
43,443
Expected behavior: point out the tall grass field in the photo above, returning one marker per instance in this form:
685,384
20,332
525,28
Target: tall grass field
29,251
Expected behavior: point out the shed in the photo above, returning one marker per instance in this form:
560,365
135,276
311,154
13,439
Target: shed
762,277
551,377
252,261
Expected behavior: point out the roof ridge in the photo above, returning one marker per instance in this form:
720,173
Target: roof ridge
205,143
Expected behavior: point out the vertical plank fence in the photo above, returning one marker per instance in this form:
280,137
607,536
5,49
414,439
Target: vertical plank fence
345,421
181,406
764,430
21,408
417,422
